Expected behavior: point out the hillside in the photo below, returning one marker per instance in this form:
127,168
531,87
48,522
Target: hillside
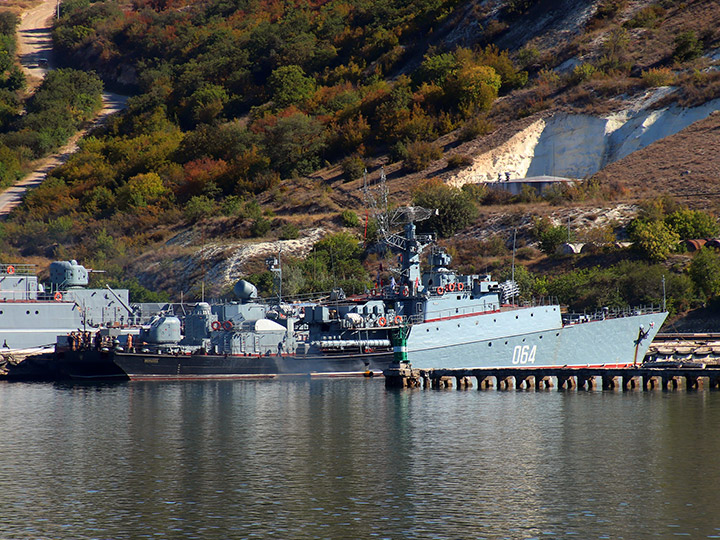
251,127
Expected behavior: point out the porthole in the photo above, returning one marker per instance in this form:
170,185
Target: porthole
490,344
494,320
27,313
37,313
557,335
516,316
540,337
532,314
506,343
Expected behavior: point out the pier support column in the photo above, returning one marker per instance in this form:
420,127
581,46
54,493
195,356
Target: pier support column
524,381
630,383
483,382
504,383
609,382
463,383
670,383
442,382
402,376
543,383
585,383
693,383
714,381
650,382
566,382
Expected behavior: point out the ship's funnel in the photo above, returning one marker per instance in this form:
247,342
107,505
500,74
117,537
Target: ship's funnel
245,290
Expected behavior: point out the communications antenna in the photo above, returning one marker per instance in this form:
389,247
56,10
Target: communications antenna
376,196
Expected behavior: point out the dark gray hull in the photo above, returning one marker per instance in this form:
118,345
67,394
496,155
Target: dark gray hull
91,364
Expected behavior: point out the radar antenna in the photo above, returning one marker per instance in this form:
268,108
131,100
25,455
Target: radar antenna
377,199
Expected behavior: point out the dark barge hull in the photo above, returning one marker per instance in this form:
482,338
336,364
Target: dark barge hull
91,364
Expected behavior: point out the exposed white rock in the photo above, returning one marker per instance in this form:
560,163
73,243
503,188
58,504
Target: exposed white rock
577,146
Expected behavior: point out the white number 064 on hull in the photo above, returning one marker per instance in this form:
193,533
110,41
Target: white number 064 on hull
524,354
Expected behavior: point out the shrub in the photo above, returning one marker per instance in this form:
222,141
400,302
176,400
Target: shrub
527,56
582,72
353,168
647,17
260,227
687,47
288,232
459,160
230,205
420,154
199,207
476,192
349,218
475,127
657,77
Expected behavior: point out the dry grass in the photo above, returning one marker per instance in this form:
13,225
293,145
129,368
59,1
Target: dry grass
18,6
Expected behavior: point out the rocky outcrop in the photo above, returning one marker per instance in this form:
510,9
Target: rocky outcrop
577,145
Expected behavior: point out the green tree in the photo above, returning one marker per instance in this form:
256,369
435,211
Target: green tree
476,88
290,86
208,102
689,224
548,235
704,271
295,143
455,209
654,240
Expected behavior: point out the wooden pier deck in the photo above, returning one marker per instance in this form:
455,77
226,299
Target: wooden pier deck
631,378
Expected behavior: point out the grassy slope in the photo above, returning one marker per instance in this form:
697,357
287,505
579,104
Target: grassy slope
560,36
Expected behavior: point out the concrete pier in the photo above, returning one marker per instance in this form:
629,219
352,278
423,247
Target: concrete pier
625,379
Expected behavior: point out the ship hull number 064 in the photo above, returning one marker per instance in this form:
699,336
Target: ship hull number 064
524,354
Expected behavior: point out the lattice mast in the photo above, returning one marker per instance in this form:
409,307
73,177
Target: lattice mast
409,244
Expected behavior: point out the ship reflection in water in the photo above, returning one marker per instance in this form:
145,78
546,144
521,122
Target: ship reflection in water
347,459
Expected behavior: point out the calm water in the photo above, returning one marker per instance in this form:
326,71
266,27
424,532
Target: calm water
349,459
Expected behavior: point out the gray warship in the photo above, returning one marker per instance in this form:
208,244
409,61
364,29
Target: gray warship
33,314
447,321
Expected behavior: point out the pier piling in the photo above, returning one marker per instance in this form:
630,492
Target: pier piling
630,378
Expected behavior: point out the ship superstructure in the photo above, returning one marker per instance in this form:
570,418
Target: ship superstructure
448,321
33,314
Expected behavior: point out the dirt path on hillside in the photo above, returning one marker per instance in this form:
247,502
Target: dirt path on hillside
35,56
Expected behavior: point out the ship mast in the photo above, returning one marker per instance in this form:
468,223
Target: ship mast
410,245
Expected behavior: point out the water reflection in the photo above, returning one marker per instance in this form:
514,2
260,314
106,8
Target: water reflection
347,459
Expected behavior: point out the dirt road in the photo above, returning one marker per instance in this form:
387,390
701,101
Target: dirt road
35,55
34,41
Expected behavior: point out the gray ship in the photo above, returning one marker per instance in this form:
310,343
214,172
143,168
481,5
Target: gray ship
33,315
447,321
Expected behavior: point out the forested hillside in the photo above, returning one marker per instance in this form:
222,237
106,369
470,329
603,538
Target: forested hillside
256,119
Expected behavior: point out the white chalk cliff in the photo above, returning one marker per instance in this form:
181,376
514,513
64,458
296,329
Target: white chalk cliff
577,145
